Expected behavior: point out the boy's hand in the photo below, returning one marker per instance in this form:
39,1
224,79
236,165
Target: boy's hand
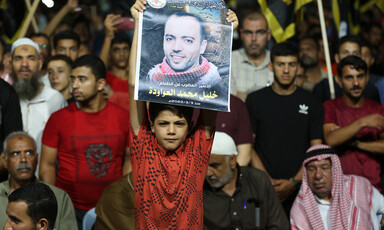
231,17
109,25
138,7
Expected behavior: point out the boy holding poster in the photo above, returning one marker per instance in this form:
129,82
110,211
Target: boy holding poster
169,156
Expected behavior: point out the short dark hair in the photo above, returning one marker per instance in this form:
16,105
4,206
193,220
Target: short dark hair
348,38
67,34
313,39
252,15
365,43
156,108
284,49
120,38
354,61
41,202
198,19
94,63
61,57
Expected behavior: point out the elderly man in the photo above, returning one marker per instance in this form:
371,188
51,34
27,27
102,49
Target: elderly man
37,101
328,199
33,206
21,160
238,197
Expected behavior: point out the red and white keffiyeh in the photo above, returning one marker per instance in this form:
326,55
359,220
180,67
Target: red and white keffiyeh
163,72
351,198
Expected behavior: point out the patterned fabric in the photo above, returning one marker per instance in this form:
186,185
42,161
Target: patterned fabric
169,185
163,72
351,199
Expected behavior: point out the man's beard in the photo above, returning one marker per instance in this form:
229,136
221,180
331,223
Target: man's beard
308,62
26,88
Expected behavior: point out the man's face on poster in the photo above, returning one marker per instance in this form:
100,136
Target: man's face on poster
183,44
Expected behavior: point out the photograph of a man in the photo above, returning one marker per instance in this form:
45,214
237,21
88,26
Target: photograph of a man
183,44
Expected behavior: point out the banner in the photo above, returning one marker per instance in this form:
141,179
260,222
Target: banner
280,15
184,54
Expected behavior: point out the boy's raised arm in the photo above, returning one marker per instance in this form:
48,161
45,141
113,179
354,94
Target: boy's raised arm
137,109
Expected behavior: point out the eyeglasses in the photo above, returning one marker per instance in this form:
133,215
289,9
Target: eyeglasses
43,46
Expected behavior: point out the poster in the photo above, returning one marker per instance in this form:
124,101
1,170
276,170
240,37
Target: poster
184,54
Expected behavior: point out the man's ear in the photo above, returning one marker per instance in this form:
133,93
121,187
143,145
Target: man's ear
42,224
337,58
3,161
338,80
203,46
101,84
232,161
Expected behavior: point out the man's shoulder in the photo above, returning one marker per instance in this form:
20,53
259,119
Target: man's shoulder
261,92
52,95
239,53
113,108
59,193
67,111
6,88
249,172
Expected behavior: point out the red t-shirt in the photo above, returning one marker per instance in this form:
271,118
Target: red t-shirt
169,186
91,148
116,83
353,160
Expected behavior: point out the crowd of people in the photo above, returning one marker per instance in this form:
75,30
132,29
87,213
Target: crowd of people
287,156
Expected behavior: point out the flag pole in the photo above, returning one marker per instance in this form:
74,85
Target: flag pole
326,48
34,23
29,18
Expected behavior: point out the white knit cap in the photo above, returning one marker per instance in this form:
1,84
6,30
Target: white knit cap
25,41
223,144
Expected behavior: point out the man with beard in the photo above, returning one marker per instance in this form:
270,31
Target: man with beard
232,194
250,64
37,101
309,60
20,158
286,120
354,124
347,45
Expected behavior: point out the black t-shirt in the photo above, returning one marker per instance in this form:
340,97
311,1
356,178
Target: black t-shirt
284,127
10,114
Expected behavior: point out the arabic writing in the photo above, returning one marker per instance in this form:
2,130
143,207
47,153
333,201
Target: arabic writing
182,93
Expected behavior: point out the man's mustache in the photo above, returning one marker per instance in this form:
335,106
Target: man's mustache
23,166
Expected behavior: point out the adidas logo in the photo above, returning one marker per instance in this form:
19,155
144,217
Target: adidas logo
303,109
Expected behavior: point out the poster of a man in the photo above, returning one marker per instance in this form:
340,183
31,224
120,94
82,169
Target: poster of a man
192,66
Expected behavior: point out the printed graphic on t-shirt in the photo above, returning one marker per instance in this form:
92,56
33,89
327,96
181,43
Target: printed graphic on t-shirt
99,158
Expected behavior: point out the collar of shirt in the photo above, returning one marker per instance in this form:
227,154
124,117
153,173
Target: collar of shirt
263,65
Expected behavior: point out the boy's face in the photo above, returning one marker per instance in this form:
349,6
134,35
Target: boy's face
170,130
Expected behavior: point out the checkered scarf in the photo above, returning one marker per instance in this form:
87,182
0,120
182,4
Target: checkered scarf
163,72
351,198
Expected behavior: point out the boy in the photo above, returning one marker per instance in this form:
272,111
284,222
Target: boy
169,156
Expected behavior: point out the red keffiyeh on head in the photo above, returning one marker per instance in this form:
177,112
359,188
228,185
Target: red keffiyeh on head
165,73
351,198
